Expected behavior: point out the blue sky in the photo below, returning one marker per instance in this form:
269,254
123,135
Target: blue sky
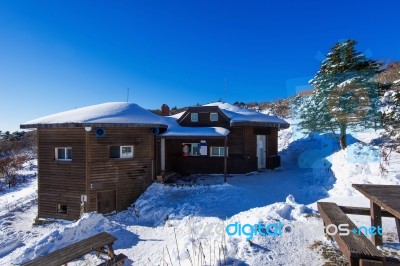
59,55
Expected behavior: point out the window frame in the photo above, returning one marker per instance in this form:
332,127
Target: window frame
211,115
120,148
126,146
60,210
65,154
192,115
219,151
191,144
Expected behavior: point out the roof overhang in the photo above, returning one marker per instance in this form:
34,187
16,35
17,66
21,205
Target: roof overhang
193,137
195,132
76,125
260,124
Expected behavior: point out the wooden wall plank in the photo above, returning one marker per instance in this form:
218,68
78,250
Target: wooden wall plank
129,177
65,182
60,182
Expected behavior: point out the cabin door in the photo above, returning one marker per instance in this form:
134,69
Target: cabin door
106,201
261,151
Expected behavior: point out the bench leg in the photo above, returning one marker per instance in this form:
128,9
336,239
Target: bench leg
111,251
398,227
376,220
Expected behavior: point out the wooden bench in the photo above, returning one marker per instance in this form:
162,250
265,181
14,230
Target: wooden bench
357,249
100,243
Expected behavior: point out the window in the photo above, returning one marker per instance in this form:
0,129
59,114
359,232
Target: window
64,153
194,117
191,149
121,152
213,116
218,151
62,208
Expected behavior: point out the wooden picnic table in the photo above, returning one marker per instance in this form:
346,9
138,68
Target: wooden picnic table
381,196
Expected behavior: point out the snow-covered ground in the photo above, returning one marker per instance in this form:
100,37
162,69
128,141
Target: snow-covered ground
184,224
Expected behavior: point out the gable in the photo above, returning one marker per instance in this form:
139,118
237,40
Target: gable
207,116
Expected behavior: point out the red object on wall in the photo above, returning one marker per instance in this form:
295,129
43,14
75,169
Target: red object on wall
185,150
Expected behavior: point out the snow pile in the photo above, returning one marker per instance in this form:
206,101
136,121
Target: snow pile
161,203
253,249
283,211
89,225
204,238
113,112
358,164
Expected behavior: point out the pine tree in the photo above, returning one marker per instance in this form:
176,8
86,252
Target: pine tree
345,93
390,105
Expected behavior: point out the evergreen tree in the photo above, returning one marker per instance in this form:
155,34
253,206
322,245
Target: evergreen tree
391,113
345,93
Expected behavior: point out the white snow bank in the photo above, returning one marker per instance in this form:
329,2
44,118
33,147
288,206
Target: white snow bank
89,225
210,235
283,211
358,164
162,202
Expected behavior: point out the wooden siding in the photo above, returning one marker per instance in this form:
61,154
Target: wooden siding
272,142
211,165
204,117
250,143
242,147
236,142
60,182
129,177
63,182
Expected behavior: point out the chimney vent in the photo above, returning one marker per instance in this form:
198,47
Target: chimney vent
165,110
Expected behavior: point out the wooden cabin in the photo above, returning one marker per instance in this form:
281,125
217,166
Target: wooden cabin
97,158
103,157
198,140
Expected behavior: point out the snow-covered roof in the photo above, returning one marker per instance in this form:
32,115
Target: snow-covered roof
105,114
175,130
178,115
241,116
238,117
